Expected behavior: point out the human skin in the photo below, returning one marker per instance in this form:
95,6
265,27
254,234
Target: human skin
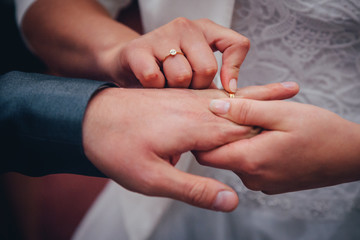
136,136
101,48
301,147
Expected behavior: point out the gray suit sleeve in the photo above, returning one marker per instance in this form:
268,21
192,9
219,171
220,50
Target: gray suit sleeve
41,124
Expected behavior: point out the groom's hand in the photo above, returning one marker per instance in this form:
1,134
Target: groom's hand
135,136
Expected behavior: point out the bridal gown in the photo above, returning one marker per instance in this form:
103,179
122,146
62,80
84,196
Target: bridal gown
313,42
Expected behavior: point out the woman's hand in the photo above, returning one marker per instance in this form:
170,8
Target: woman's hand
148,58
301,146
135,136
90,44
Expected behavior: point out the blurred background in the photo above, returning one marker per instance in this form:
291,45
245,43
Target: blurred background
13,52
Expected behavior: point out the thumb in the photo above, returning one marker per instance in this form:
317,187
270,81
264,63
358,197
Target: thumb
265,114
196,190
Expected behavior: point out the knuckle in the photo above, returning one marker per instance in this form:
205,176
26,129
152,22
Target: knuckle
250,168
183,22
241,42
252,175
205,21
196,192
182,79
150,78
207,71
244,42
242,112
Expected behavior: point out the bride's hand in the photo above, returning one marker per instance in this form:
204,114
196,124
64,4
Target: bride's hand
193,65
301,146
91,44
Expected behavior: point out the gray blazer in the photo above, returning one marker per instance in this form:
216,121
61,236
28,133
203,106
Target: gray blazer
41,124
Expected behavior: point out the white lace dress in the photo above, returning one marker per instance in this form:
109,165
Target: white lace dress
315,43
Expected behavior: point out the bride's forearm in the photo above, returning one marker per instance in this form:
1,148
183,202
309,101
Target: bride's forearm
75,38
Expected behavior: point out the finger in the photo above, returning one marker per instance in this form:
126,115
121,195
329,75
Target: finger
231,156
273,91
244,156
145,67
177,71
234,47
195,190
266,114
232,58
201,59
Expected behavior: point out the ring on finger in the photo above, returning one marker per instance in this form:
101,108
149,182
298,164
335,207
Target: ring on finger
172,52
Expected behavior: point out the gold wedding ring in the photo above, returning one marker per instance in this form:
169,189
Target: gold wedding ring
231,95
172,52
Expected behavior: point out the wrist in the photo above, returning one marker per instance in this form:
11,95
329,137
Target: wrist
96,117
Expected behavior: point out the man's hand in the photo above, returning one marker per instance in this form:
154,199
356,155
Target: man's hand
196,67
135,136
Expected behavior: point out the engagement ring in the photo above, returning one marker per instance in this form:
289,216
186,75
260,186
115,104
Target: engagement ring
172,52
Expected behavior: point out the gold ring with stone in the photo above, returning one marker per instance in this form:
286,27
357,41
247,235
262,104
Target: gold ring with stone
172,52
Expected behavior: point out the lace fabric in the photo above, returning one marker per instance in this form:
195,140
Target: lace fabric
317,44
330,203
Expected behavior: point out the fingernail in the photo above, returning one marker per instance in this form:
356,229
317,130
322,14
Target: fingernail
219,106
233,85
289,84
225,201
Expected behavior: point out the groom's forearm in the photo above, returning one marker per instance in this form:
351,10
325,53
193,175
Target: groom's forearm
41,124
